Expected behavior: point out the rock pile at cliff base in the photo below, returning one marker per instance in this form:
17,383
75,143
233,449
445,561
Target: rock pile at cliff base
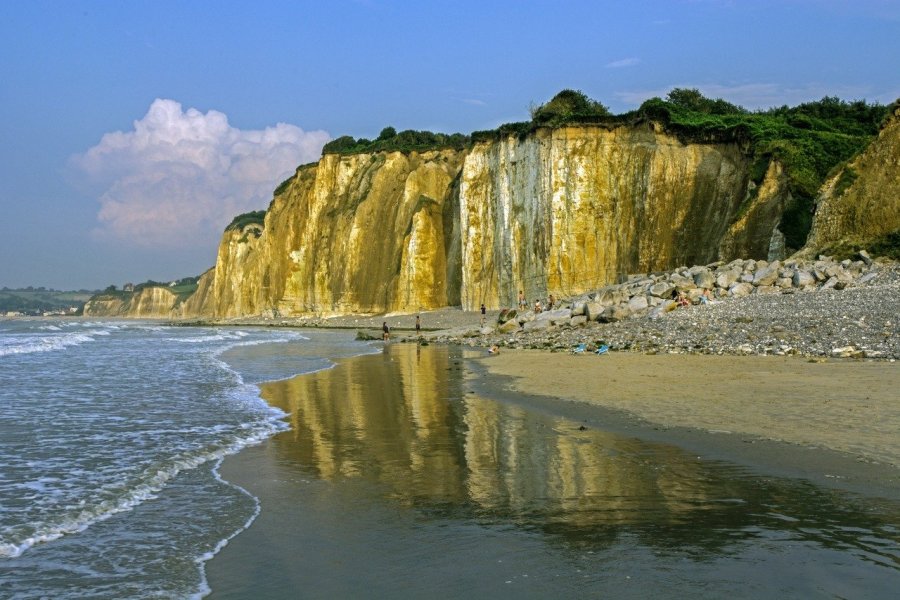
820,308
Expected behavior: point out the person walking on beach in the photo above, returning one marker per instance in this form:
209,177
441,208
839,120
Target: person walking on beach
522,302
386,331
418,325
483,313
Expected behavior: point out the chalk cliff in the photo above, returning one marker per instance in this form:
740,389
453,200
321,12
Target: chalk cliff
359,233
559,210
149,303
571,209
860,205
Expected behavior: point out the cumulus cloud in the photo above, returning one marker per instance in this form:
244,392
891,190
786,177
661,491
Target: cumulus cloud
181,175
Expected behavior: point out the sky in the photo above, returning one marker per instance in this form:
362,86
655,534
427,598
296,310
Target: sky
131,133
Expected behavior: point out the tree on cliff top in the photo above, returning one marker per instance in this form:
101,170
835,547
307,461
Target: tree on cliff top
566,106
692,99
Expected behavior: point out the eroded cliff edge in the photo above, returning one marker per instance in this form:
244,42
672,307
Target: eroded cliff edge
552,210
860,205
560,211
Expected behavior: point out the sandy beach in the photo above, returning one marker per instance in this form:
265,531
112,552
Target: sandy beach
847,406
467,472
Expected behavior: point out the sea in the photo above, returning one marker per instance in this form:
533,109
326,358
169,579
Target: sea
143,460
111,437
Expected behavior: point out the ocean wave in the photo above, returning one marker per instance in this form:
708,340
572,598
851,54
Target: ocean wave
201,560
151,482
30,344
218,337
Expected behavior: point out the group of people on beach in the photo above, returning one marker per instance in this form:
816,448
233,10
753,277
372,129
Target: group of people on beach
538,306
681,298
386,329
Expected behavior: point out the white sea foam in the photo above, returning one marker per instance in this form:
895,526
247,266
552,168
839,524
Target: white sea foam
152,481
201,560
46,343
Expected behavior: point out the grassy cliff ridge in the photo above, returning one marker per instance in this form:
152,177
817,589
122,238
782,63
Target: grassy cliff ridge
809,141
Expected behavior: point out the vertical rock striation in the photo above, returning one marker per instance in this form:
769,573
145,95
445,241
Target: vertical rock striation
574,208
559,211
359,233
861,203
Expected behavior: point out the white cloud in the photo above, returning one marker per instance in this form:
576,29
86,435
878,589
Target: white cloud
181,175
625,62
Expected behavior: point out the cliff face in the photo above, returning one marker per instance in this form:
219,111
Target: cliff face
862,202
571,209
561,211
360,233
147,303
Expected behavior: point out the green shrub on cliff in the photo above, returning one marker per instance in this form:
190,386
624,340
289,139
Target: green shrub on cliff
256,217
391,141
809,140
566,107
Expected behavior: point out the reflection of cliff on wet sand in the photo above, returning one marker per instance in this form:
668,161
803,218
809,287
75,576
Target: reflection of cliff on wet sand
403,419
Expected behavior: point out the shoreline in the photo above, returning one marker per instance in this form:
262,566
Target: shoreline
829,439
299,468
858,322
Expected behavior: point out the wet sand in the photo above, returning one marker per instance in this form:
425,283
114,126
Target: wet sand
848,407
369,490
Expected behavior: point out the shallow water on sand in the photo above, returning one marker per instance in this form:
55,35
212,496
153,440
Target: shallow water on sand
110,437
396,480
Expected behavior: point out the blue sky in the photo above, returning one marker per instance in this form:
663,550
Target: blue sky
131,132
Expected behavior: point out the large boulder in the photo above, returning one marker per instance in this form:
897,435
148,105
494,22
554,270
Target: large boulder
508,326
803,279
739,290
537,325
593,310
612,295
728,278
555,317
765,276
638,303
681,282
704,279
510,315
663,289
614,313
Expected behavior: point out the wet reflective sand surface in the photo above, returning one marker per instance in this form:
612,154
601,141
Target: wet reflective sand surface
397,480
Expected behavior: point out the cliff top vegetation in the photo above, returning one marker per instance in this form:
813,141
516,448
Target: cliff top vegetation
391,141
182,288
256,217
810,140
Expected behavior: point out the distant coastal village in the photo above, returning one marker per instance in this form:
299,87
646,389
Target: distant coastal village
42,302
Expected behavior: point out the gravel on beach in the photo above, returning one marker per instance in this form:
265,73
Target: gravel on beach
856,322
859,321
